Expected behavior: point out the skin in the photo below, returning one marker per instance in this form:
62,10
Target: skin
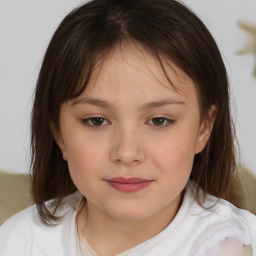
228,247
130,143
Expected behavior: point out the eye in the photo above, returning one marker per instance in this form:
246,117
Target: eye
161,121
95,121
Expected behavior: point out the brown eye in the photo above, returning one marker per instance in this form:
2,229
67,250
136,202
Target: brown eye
161,121
95,121
158,121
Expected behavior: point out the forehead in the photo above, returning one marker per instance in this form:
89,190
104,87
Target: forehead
134,68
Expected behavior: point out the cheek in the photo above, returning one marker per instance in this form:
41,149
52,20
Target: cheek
80,157
175,157
84,149
84,159
83,164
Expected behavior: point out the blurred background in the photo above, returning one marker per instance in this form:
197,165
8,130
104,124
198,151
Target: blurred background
25,30
26,27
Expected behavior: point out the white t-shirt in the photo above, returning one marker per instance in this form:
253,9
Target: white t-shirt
193,232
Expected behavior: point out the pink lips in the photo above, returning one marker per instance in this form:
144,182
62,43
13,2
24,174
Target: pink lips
128,184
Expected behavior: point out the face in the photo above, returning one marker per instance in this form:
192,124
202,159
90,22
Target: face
130,138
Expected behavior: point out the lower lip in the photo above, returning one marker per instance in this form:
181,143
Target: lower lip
129,187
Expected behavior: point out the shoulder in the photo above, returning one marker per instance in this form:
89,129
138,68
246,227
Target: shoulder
230,247
19,221
215,210
217,220
222,211
24,232
17,230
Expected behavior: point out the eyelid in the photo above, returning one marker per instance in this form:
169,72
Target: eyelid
86,121
168,121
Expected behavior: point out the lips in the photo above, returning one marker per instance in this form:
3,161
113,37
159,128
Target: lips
128,185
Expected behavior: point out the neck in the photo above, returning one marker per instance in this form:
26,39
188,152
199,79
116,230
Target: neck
110,236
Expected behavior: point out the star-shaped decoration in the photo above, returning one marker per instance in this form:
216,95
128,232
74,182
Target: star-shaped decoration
250,46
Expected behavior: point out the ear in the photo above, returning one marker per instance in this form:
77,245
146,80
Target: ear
59,140
205,129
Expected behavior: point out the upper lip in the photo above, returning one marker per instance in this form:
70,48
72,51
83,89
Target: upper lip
128,180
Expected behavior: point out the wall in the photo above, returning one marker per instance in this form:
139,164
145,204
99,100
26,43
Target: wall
26,28
221,17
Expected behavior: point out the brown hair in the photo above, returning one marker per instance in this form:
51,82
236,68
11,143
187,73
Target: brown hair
167,29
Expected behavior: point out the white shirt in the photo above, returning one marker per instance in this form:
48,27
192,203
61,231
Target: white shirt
193,232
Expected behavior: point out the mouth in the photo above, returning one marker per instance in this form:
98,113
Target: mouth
128,185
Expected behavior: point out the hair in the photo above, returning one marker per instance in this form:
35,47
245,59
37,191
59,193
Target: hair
168,30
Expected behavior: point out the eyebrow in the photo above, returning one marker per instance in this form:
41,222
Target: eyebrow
145,106
94,102
161,103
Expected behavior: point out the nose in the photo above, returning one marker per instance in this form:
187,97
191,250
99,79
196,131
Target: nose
127,148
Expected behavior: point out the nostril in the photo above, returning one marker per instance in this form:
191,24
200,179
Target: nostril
127,156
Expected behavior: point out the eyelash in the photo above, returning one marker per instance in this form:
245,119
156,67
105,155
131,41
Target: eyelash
167,121
89,122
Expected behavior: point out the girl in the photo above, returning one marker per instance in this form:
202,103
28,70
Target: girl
132,140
